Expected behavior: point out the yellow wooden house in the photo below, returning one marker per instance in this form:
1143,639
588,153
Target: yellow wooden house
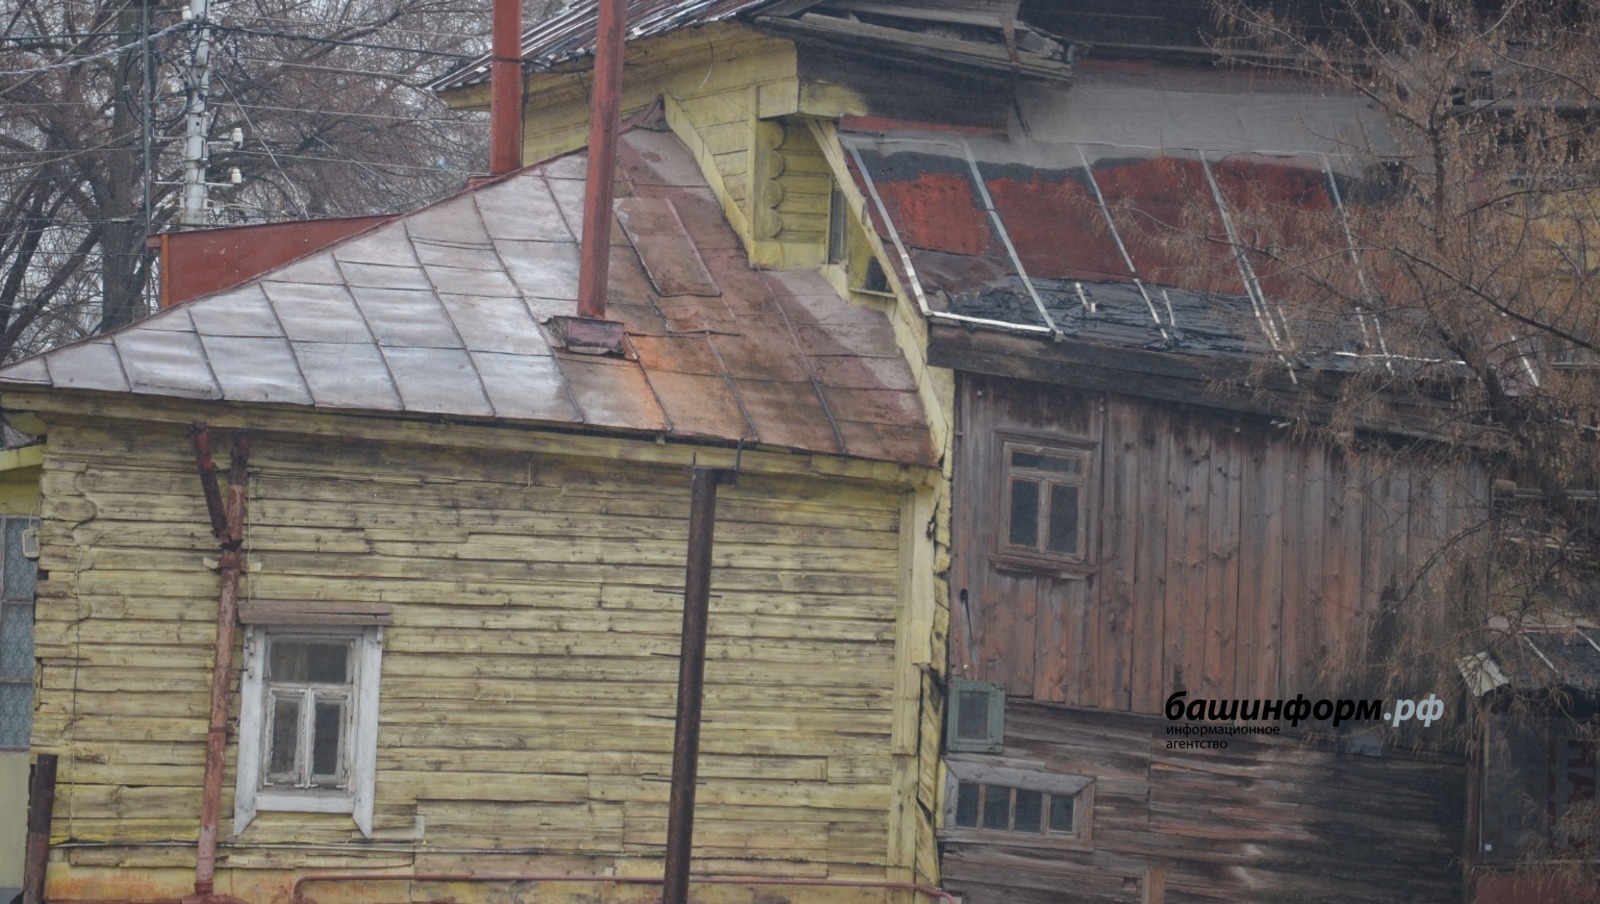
463,542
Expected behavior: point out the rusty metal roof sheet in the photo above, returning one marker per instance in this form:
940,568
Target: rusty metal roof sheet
1116,245
571,35
441,311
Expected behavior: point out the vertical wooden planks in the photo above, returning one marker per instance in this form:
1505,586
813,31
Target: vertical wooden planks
1343,562
1148,686
1222,571
1187,528
1115,591
1065,643
1261,596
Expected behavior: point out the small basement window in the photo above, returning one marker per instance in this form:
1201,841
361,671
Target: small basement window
308,713
976,717
1020,804
1045,501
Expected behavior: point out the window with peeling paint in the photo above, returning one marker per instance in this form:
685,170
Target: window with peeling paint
1045,501
308,719
1013,801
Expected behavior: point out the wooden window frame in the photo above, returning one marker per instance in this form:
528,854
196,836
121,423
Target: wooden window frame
357,775
1039,558
1011,776
995,717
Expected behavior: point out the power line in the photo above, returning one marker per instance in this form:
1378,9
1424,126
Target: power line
335,42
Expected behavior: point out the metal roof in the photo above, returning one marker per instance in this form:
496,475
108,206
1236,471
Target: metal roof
439,312
571,35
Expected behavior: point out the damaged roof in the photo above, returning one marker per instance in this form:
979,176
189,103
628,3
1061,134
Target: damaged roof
954,34
1110,214
448,311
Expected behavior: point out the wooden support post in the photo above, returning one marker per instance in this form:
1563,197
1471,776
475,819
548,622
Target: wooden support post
41,806
691,682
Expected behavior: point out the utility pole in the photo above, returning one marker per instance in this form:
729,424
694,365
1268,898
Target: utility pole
195,150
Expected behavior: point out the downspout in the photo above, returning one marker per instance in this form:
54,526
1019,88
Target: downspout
691,681
505,89
227,524
605,116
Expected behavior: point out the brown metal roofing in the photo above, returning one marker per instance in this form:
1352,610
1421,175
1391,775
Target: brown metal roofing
438,312
1118,245
571,35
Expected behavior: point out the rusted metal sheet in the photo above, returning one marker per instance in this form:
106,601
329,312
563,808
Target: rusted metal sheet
664,247
200,262
572,34
1118,245
788,414
452,309
611,393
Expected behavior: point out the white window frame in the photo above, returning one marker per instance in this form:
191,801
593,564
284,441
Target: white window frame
360,755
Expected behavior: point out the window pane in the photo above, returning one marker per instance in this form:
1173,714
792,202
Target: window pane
1063,518
996,807
1060,814
312,661
19,569
972,715
1024,529
967,805
326,733
16,641
285,734
1030,811
16,714
1038,461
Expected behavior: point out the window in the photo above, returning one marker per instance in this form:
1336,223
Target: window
1044,509
308,721
838,227
17,574
1016,803
977,716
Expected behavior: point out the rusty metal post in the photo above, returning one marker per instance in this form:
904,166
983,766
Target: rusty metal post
605,115
505,89
231,565
41,806
691,682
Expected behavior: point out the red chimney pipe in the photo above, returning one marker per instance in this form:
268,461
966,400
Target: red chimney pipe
505,89
605,116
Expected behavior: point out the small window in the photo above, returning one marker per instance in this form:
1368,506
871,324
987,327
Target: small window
308,719
1015,803
998,808
976,716
1044,502
838,227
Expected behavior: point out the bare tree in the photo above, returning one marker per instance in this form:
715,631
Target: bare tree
327,95
1461,252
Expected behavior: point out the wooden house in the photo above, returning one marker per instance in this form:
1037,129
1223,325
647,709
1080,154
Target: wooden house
460,568
1134,513
1002,452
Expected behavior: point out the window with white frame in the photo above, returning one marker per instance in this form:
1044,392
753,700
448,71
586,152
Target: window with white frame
1015,803
308,721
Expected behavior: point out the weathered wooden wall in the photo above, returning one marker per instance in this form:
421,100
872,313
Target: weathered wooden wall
1267,819
529,677
1232,559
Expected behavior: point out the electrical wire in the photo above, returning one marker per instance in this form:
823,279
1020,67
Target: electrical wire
79,61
